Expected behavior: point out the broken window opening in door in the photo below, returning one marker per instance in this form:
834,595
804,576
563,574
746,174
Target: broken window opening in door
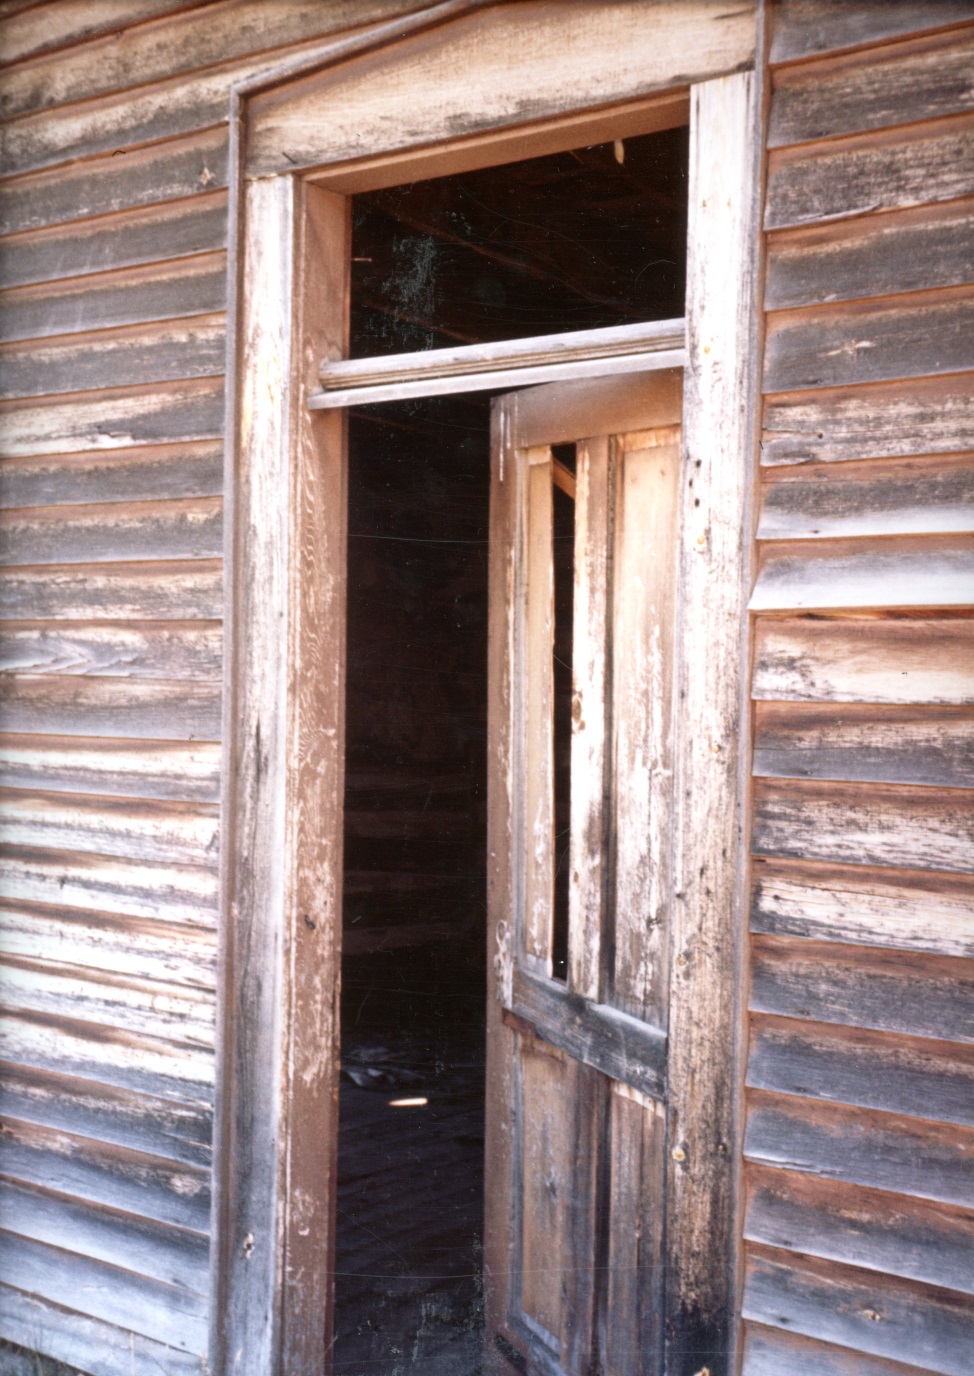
576,240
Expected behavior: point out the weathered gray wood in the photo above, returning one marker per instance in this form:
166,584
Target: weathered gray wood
908,912
175,1129
101,301
769,1352
143,474
29,35
131,769
933,495
161,414
862,1310
124,240
79,1341
166,1191
171,893
905,1155
174,1256
54,705
161,172
891,420
144,829
911,1076
899,85
909,250
890,1234
859,743
916,828
915,660
905,572
170,649
126,592
840,345
925,996
882,171
167,1313
186,529
805,28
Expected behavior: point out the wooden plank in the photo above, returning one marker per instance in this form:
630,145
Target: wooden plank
882,171
563,413
80,1341
160,414
882,1315
144,829
907,250
926,996
174,649
170,893
927,334
176,1257
914,660
181,229
889,420
711,748
168,290
910,1076
901,572
191,528
930,1243
161,172
805,28
166,1191
539,623
885,824
138,948
132,475
175,1129
909,1156
933,495
860,743
131,769
902,84
169,1314
24,36
188,589
53,705
908,912
124,358
769,1352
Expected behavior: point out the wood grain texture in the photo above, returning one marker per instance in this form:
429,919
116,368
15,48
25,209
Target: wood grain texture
902,84
909,660
806,28
145,829
23,36
923,335
126,239
902,572
865,744
140,474
909,1156
889,420
160,414
904,912
902,251
170,893
187,529
885,1316
769,1351
55,705
925,996
129,769
172,649
883,171
891,1234
187,589
933,495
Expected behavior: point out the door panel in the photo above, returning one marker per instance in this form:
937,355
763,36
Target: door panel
577,1046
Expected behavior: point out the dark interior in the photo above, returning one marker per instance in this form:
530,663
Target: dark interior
572,241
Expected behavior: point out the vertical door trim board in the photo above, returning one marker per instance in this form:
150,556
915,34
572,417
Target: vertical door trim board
280,773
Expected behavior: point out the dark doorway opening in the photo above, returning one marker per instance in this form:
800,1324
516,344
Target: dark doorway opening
577,240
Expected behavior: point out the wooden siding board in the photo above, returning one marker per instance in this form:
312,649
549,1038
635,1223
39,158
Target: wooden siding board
806,28
141,474
897,573
104,767
55,705
175,649
769,1352
23,36
171,893
186,528
161,591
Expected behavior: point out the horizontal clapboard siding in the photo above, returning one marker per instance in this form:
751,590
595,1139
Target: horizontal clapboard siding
859,1210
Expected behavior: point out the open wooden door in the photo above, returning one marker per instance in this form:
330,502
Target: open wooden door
583,573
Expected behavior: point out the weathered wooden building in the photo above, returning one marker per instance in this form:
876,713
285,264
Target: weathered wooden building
721,888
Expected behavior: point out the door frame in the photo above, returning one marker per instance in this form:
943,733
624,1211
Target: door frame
296,136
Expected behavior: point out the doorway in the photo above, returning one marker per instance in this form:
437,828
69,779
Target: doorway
584,239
